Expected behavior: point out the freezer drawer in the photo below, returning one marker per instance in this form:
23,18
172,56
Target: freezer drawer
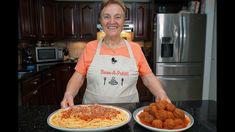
179,69
182,87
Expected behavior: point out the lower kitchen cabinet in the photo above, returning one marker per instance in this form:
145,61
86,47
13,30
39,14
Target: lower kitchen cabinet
63,74
48,87
31,90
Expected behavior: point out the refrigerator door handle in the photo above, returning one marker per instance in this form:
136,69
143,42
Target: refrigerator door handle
178,65
178,78
182,34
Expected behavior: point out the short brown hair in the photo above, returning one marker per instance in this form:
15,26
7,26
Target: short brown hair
107,2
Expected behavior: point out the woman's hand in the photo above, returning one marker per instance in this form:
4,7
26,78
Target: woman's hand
154,85
67,101
162,97
72,89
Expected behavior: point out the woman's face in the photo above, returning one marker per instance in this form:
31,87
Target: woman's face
112,19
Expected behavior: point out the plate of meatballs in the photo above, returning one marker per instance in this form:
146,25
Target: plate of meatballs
163,116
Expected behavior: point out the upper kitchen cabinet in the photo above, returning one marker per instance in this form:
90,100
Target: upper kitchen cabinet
68,20
27,19
87,20
129,13
141,21
77,20
47,17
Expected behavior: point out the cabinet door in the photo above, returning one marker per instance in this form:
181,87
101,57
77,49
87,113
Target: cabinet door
31,90
129,13
27,19
87,20
63,74
142,23
47,12
67,16
48,87
144,93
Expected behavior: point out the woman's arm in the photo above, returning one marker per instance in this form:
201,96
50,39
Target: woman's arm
72,89
154,85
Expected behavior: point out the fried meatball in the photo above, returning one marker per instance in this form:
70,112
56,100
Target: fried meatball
179,123
170,107
157,123
152,104
178,113
169,124
161,104
170,115
161,115
146,109
146,117
152,110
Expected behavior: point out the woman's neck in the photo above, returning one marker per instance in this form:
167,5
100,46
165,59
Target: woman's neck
113,42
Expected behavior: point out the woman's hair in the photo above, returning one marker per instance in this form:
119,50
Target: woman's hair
108,2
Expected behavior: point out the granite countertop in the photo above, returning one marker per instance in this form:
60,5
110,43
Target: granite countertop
34,118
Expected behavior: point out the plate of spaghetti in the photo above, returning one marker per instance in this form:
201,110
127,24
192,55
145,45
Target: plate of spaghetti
90,117
162,116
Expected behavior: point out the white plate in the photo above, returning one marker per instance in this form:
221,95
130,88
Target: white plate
139,110
127,112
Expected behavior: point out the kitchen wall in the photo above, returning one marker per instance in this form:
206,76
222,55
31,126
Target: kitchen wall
210,79
75,48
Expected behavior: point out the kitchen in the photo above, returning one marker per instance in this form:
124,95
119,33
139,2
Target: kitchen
71,33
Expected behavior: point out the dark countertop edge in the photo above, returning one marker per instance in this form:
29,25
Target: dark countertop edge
35,72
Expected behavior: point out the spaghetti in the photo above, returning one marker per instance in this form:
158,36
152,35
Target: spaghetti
88,116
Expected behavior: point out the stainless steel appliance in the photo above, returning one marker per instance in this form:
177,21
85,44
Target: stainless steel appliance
46,54
179,49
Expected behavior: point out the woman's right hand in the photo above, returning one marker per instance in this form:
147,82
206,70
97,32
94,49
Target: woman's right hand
67,101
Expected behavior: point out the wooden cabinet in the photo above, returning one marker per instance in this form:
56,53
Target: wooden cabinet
68,20
87,20
142,22
52,20
31,90
48,87
63,74
138,14
27,19
129,13
47,17
77,20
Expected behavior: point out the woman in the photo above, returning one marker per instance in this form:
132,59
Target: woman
112,65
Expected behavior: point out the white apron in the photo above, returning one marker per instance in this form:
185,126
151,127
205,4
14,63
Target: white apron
112,79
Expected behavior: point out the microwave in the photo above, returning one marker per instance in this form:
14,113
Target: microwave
47,54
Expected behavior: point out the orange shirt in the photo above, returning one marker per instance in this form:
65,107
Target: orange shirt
90,50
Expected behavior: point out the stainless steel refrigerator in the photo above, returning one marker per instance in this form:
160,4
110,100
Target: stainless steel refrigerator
179,49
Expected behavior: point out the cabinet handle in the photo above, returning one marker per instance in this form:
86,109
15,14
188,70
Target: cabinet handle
49,74
35,92
64,69
35,82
